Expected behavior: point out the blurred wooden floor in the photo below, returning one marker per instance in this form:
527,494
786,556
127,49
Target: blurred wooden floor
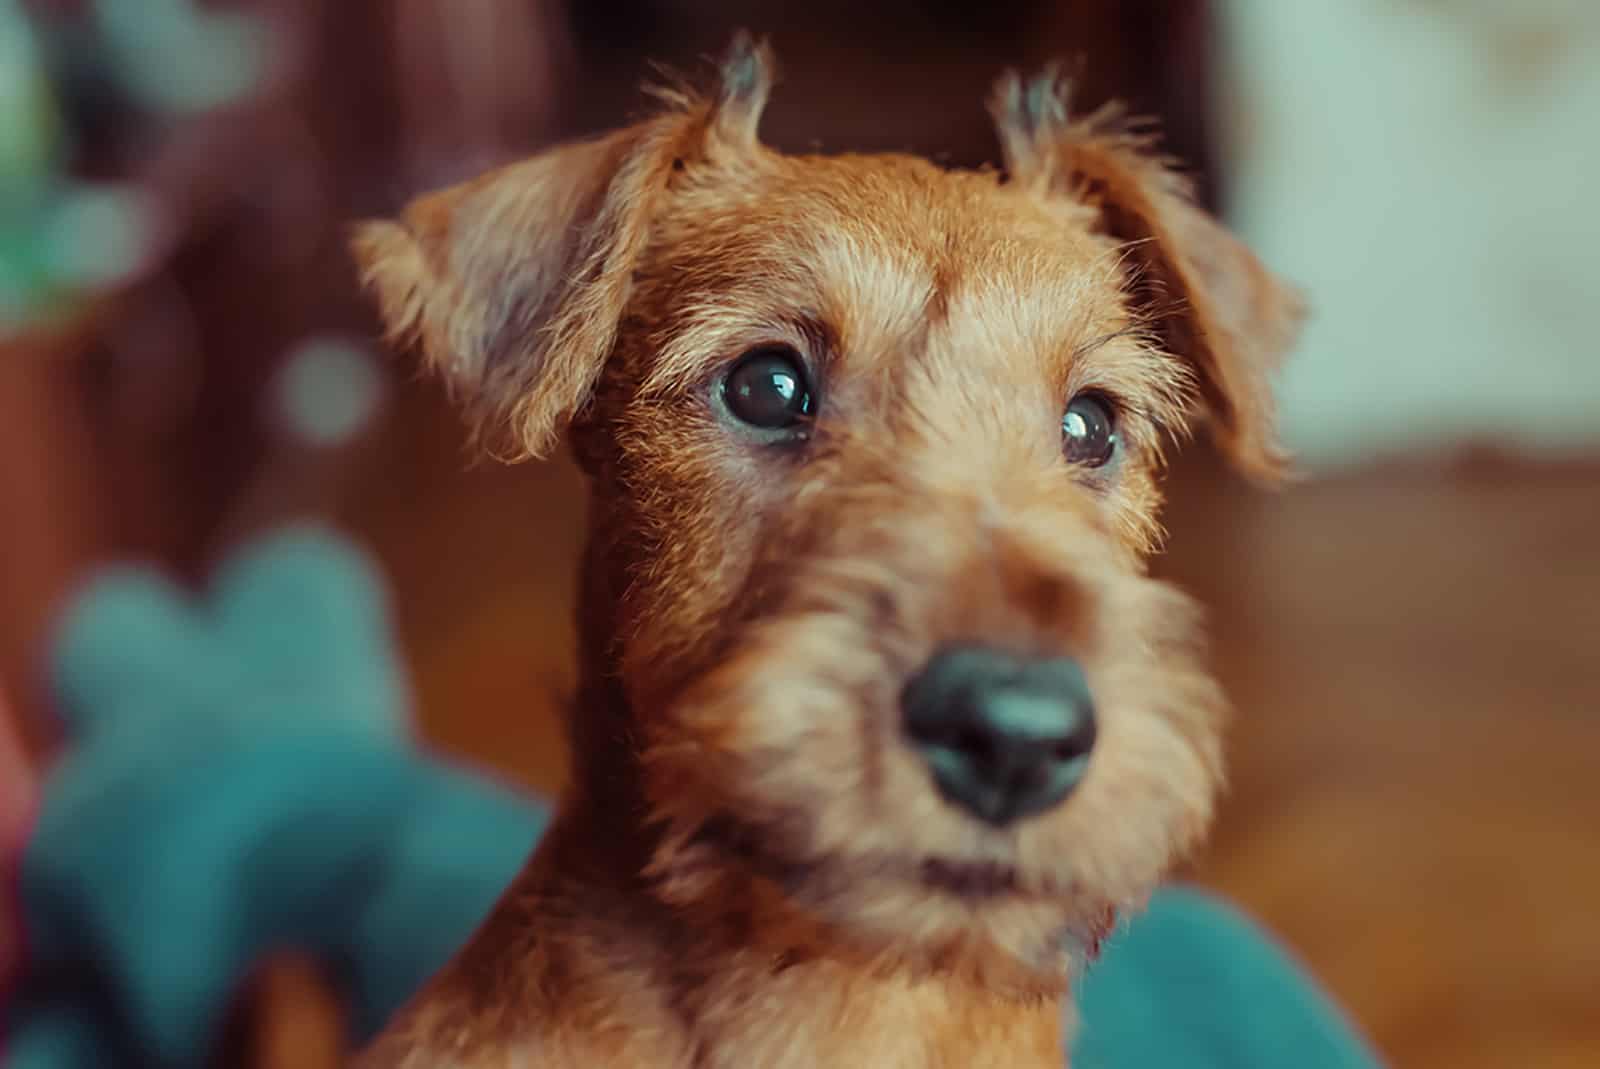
1416,762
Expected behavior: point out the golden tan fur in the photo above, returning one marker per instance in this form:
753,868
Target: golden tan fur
751,868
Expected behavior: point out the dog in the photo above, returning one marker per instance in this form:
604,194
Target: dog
881,721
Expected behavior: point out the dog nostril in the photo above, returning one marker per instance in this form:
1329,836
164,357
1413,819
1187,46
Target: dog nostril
1066,750
1079,739
976,744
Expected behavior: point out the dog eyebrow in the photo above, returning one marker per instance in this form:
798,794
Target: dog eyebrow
707,347
1132,330
682,357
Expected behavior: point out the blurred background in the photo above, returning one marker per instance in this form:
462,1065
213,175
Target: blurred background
1410,635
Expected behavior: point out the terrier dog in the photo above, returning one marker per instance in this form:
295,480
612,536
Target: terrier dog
881,722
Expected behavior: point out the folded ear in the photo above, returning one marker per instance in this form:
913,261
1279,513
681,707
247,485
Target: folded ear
1210,299
513,284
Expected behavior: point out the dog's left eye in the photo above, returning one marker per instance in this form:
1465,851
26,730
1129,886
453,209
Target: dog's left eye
767,388
1089,430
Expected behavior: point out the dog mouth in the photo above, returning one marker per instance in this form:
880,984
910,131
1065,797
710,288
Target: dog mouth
972,880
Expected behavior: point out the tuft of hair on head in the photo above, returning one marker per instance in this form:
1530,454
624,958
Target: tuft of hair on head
728,104
747,72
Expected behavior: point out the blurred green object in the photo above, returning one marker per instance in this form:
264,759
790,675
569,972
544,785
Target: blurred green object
179,60
31,169
60,238
30,134
239,779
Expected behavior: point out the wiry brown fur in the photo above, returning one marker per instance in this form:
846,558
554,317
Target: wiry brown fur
751,868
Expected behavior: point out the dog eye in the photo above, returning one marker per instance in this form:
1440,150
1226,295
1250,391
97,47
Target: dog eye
1089,430
767,388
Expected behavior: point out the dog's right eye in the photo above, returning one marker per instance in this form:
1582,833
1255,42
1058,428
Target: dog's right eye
767,388
1089,430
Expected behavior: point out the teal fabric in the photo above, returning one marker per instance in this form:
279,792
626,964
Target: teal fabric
1191,984
240,782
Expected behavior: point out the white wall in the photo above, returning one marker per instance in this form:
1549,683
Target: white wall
1429,170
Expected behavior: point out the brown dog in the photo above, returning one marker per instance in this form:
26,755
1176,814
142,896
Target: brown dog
880,722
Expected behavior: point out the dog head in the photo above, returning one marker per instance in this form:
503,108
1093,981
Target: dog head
874,448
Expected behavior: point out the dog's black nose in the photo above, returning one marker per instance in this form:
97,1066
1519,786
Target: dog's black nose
1004,737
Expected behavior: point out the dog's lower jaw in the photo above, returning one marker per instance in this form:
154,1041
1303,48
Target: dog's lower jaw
580,965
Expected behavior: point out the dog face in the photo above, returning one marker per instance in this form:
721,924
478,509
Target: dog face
875,449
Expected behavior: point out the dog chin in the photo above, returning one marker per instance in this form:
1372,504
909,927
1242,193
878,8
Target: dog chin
979,920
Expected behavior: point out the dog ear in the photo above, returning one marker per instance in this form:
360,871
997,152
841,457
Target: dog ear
513,284
1211,300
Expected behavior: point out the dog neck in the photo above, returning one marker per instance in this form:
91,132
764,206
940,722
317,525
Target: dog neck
619,977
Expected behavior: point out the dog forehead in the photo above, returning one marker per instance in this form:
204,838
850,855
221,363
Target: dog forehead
892,214
878,250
